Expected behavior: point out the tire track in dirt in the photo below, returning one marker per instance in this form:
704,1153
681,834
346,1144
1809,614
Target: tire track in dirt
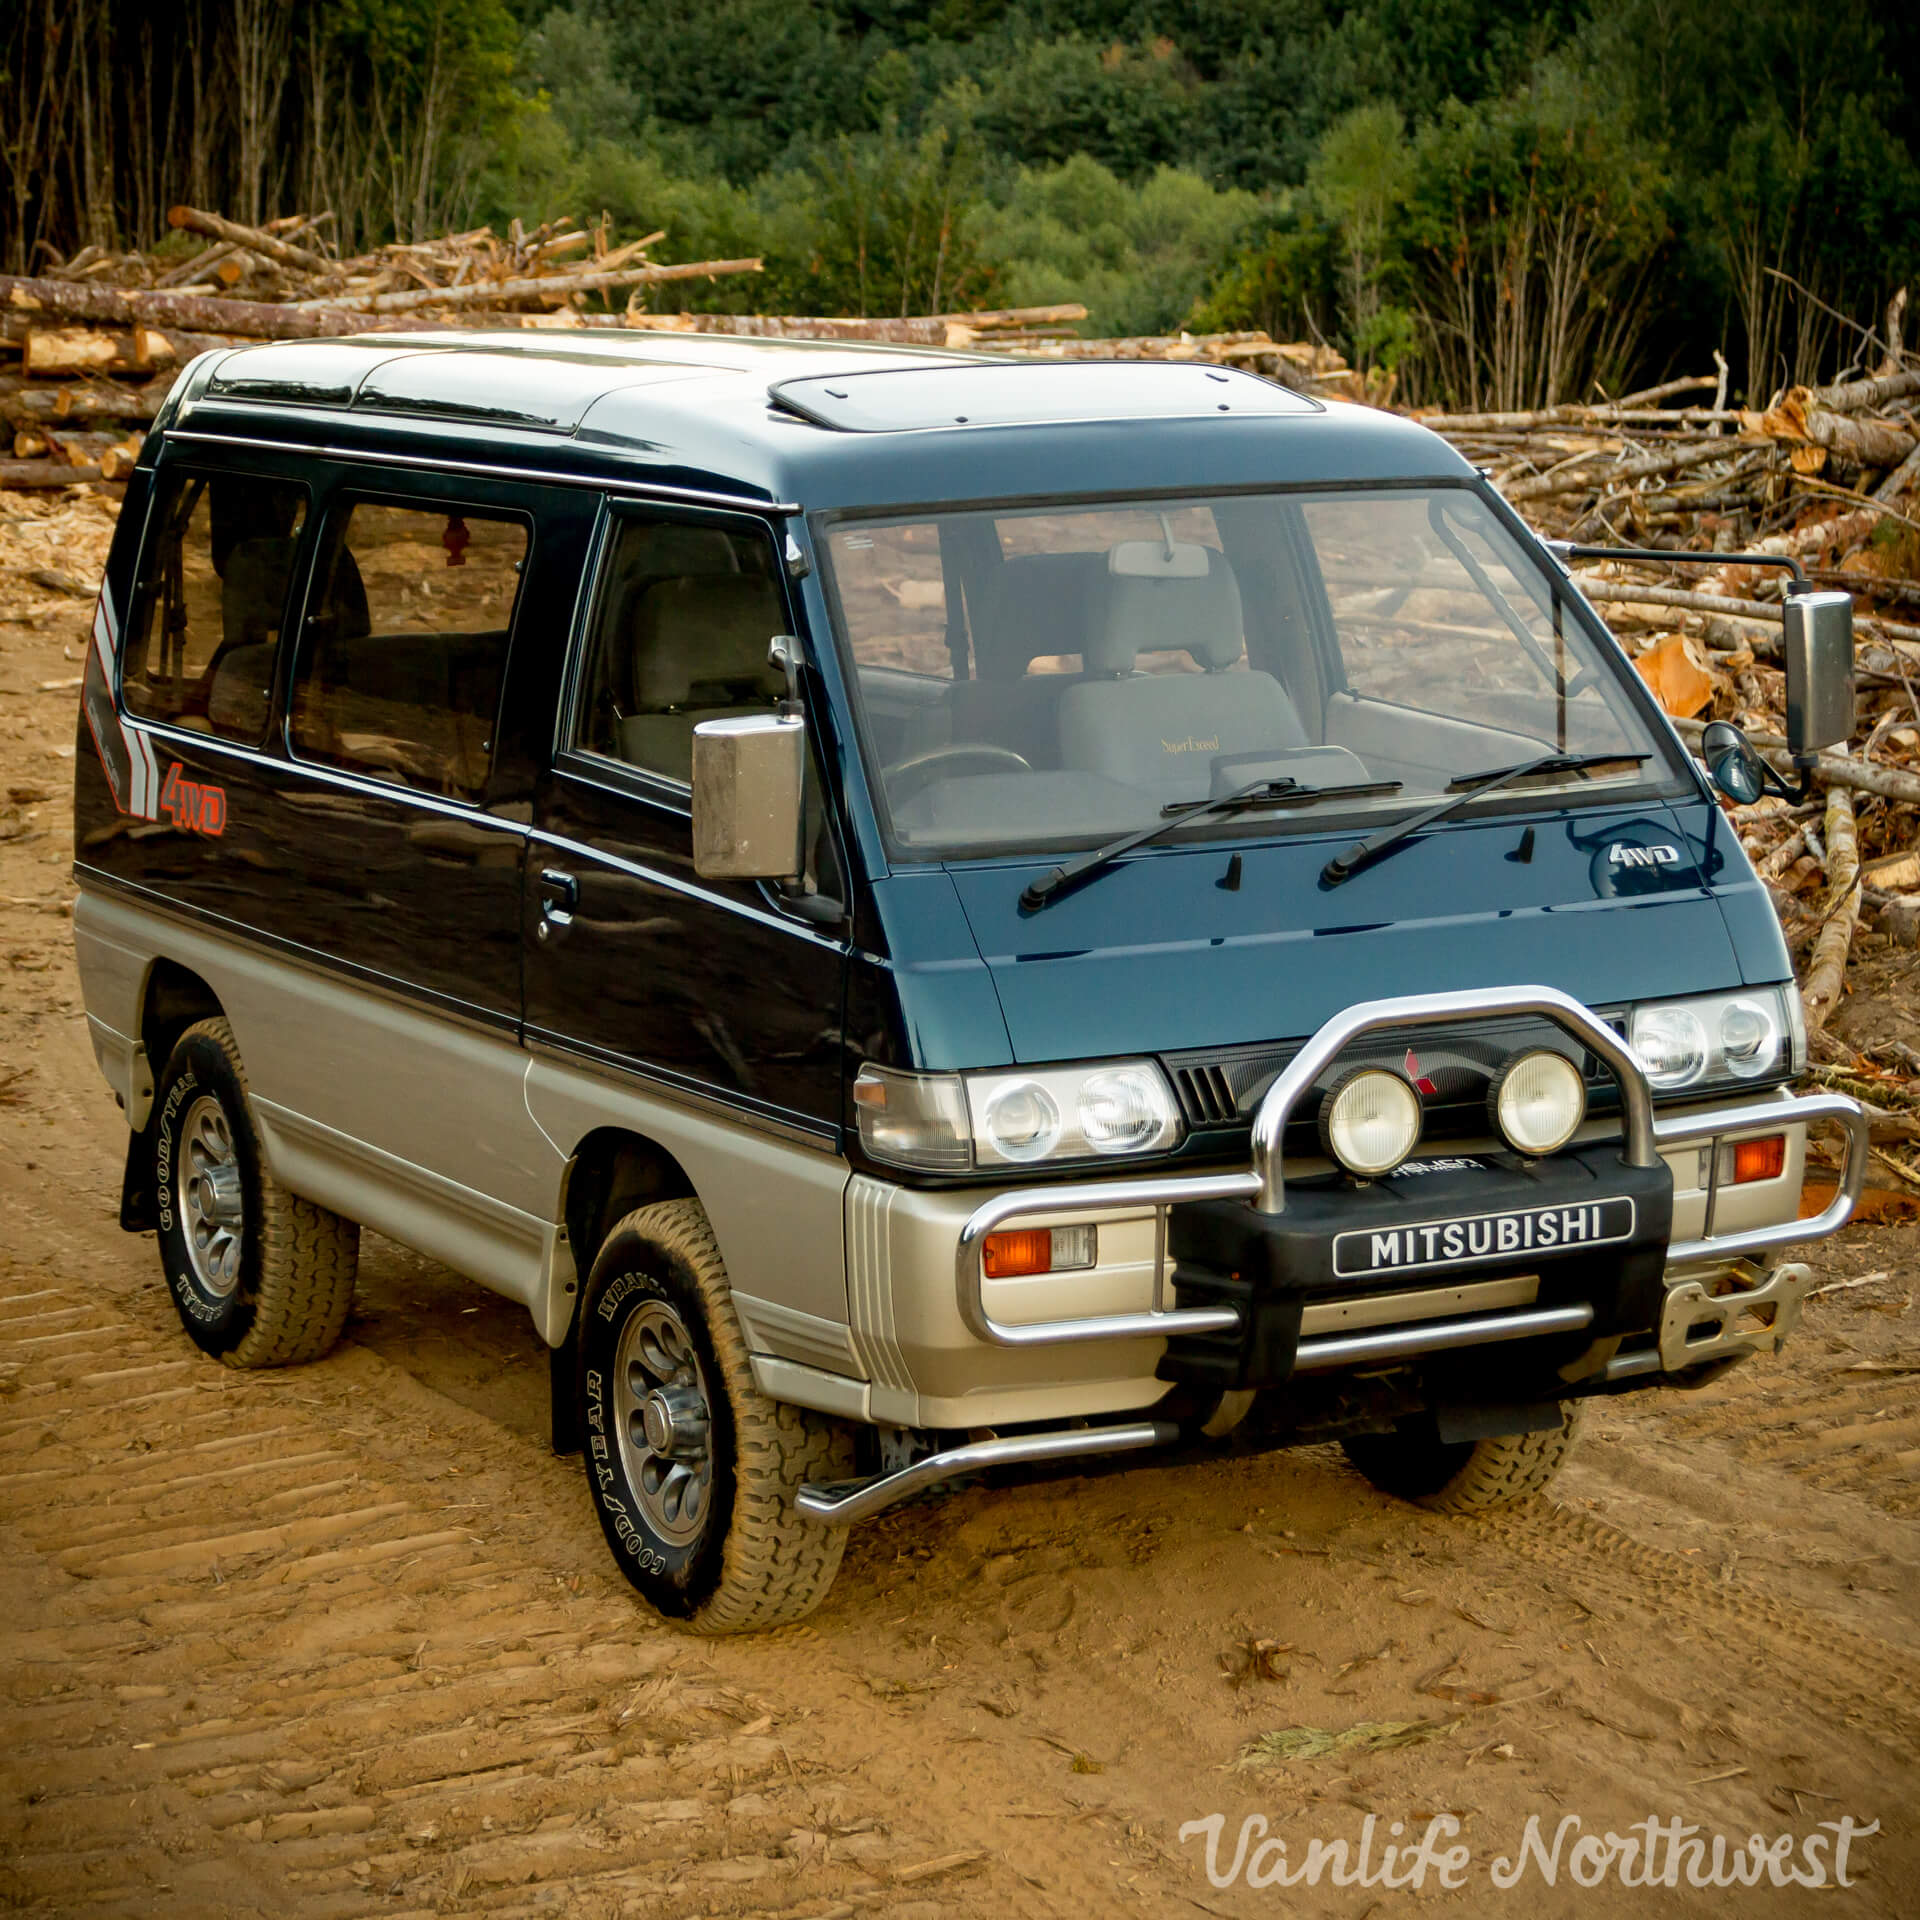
1826,1661
270,1680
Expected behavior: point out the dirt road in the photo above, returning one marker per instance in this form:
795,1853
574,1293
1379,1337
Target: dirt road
344,1640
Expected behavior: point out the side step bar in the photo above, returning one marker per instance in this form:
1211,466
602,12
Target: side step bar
838,1503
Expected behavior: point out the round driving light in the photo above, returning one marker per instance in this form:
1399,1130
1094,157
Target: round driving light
1670,1044
1022,1122
1749,1041
1370,1121
1123,1112
1538,1102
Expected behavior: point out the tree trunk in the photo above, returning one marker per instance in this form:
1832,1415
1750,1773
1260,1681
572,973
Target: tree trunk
1827,967
254,239
484,293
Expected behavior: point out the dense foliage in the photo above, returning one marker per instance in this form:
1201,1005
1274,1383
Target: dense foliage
1504,201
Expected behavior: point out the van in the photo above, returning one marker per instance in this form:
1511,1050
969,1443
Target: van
923,912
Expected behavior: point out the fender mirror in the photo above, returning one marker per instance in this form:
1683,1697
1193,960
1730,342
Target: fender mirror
1818,640
749,790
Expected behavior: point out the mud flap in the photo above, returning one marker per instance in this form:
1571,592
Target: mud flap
139,1205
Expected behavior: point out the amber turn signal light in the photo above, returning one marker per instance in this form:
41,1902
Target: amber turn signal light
1759,1159
1007,1256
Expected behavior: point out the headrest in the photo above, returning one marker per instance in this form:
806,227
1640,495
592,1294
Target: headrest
253,593
1040,603
1169,613
706,634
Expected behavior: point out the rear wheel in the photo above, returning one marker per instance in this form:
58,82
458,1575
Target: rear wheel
1468,1475
260,1277
693,1470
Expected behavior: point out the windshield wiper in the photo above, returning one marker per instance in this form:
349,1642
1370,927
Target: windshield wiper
1467,787
1259,793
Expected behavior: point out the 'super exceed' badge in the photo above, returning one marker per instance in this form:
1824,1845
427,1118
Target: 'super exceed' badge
1484,1236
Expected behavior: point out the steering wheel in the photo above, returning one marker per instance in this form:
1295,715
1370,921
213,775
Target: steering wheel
905,778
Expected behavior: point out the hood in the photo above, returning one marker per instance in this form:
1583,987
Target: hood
1161,953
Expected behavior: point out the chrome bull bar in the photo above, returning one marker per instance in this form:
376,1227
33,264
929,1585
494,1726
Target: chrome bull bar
1264,1183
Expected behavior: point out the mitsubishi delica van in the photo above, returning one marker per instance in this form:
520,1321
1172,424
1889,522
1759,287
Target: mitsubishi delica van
924,912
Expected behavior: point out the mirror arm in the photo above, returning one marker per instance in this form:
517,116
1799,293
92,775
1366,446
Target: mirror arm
1565,550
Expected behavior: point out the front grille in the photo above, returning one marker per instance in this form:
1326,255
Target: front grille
1219,1087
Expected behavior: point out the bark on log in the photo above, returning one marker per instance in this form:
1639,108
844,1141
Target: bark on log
1904,477
1585,480
268,246
1620,593
989,318
1871,443
192,313
483,293
1827,966
82,400
1851,396
913,332
23,474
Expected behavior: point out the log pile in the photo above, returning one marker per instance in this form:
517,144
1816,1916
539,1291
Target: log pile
1827,475
89,347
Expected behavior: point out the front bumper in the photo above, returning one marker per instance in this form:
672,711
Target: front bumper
1698,1283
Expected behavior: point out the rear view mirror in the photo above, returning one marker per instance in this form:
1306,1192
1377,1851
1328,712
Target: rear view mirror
1158,560
1733,763
749,784
1819,650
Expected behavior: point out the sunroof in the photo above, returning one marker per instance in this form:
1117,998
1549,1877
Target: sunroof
1030,393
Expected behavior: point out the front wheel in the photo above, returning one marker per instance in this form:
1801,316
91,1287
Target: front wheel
693,1470
1468,1475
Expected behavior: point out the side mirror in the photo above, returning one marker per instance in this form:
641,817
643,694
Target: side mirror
1733,763
749,791
1819,649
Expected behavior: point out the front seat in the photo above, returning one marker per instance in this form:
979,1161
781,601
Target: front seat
698,651
1163,731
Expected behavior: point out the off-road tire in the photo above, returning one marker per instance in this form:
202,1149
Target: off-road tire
1469,1475
296,1260
757,1562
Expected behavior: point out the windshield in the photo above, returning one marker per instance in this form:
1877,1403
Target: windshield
1032,678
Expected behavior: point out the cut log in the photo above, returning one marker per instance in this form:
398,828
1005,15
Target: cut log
1827,965
1585,480
1851,396
992,319
22,474
83,400
269,246
22,299
911,332
65,351
485,293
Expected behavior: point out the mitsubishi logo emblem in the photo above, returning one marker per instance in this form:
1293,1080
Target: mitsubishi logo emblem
1417,1074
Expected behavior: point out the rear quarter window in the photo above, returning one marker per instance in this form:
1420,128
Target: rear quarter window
215,577
400,670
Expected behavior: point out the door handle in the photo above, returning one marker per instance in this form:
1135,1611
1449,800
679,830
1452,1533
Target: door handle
559,899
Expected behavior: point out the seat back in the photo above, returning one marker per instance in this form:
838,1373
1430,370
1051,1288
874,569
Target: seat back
1163,731
697,650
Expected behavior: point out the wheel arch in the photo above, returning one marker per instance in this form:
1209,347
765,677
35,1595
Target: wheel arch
172,998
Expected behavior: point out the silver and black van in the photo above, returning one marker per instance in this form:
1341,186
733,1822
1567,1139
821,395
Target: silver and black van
923,912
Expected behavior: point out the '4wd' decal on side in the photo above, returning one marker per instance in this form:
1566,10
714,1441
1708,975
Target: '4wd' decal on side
193,806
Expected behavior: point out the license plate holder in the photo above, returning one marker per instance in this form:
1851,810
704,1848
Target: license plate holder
1473,1240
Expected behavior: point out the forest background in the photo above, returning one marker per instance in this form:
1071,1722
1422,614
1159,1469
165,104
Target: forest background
1498,203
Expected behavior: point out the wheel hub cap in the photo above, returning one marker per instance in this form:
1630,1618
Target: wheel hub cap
663,1423
211,1201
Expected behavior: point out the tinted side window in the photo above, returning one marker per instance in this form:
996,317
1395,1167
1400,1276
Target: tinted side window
399,674
680,636
215,575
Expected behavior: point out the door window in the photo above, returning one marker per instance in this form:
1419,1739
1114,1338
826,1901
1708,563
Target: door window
400,672
685,616
215,582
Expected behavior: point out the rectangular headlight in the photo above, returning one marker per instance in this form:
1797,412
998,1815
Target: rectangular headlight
947,1123
1716,1039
